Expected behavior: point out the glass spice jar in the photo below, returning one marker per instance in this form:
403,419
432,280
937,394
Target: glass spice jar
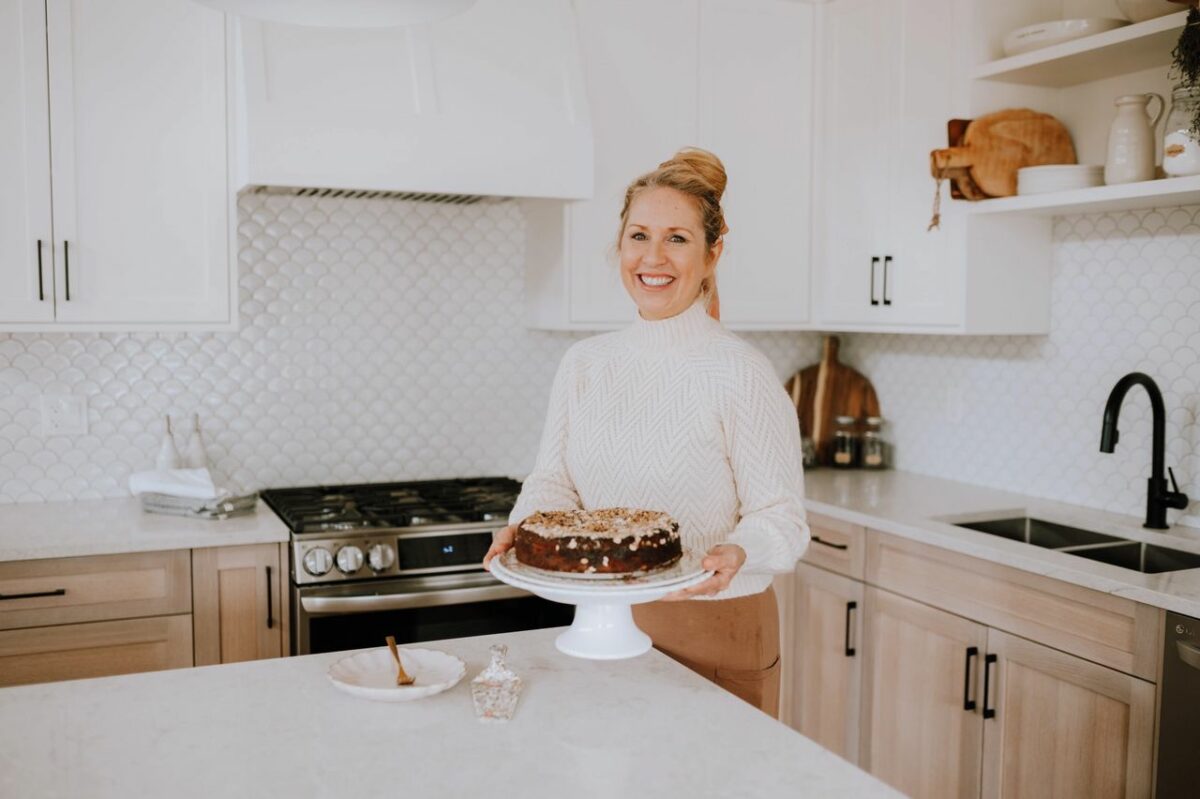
845,443
874,449
1181,149
809,450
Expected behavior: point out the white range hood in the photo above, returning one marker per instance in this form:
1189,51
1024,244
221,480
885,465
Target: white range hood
491,101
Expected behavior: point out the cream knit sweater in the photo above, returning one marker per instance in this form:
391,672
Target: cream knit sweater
682,416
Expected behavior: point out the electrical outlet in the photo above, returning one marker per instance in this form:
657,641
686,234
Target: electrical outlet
64,415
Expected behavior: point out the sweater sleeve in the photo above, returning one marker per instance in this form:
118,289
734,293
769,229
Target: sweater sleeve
763,442
549,486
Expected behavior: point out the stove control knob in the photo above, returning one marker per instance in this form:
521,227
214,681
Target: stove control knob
380,557
318,561
349,559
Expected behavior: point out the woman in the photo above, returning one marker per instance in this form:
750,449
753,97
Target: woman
677,414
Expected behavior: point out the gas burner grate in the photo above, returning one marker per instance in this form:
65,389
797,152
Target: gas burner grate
428,502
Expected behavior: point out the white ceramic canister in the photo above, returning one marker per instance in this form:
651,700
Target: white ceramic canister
1131,140
1181,149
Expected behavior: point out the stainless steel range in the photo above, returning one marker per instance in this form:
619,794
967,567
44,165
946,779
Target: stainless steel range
401,559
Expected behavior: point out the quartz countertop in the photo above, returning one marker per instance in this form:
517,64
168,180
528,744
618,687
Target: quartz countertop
643,727
917,507
34,530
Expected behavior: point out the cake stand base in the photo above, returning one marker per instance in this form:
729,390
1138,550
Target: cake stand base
603,632
603,628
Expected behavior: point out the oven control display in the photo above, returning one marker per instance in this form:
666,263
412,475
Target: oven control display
431,552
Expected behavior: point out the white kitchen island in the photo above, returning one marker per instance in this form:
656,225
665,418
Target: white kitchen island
645,727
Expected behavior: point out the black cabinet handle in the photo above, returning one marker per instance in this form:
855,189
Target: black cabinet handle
816,539
874,263
270,614
988,712
55,592
968,701
67,266
887,261
850,606
41,291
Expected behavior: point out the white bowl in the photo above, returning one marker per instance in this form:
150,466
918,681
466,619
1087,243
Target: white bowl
1045,34
1142,10
371,674
1058,177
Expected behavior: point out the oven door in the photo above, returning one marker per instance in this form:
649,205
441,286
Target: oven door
427,608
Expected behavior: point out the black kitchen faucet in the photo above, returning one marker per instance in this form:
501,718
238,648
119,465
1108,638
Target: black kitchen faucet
1158,497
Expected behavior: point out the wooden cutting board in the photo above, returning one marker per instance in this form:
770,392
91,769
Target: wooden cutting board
985,153
826,390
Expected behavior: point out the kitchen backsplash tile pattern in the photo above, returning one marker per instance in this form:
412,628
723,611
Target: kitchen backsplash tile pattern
379,340
1023,413
384,340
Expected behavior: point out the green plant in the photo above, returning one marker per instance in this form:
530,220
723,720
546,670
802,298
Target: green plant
1185,64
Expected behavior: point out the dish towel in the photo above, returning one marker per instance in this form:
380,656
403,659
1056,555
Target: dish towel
191,483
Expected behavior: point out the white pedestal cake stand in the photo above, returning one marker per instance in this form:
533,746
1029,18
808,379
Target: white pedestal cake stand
603,628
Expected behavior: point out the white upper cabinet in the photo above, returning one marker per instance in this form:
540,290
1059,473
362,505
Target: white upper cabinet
142,210
889,90
853,155
733,77
756,80
892,74
640,61
26,270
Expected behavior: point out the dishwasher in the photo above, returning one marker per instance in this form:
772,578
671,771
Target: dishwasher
1178,709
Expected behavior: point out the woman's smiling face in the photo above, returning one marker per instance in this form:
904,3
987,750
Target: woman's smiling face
664,257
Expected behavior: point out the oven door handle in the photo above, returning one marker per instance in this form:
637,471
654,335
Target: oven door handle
314,605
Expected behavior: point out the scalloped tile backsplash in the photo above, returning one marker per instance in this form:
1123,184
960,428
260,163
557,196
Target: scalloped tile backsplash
379,340
384,340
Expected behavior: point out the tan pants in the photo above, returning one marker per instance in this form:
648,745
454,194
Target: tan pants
733,642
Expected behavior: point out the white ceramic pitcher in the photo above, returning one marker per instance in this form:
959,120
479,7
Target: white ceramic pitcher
1131,139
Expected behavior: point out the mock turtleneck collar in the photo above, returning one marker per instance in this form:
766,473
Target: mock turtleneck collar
680,330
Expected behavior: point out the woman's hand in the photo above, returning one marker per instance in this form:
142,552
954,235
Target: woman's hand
502,541
723,559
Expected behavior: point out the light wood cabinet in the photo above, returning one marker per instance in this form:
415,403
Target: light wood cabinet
70,618
40,593
129,99
96,649
922,734
826,654
968,678
1063,726
238,603
730,67
1104,628
837,546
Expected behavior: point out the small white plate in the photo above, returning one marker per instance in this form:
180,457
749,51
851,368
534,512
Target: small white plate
1046,34
371,674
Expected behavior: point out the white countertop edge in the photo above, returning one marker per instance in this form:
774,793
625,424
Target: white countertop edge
41,530
1035,560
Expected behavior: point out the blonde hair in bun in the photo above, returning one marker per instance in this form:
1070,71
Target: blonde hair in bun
698,174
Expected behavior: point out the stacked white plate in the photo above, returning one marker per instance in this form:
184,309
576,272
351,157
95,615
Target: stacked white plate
1058,177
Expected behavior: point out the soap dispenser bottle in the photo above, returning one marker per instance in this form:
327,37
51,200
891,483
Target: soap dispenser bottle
168,455
195,456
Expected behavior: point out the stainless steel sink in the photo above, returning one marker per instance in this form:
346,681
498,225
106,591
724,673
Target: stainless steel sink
1110,549
1039,532
1145,558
